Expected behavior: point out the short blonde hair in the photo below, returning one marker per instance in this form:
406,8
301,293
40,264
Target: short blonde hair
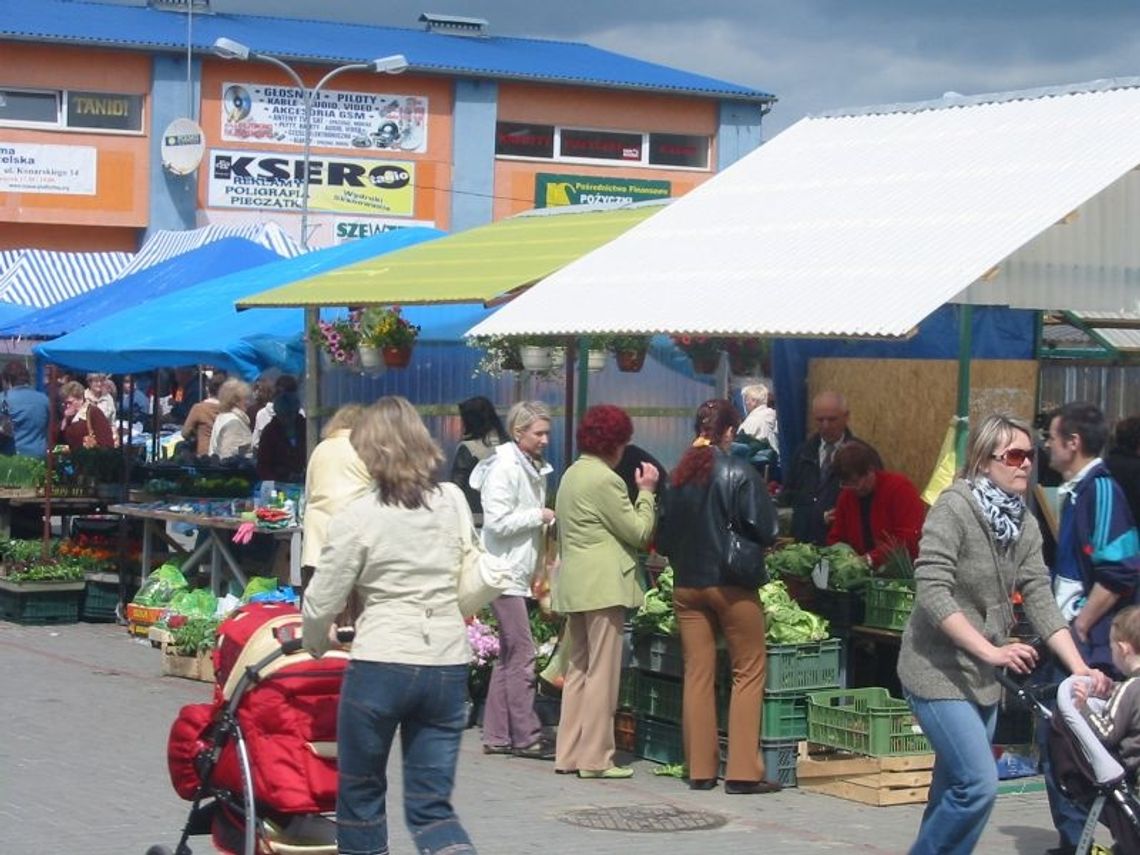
523,414
231,394
398,451
757,393
346,418
990,434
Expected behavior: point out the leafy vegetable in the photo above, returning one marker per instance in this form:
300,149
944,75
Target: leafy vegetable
161,586
46,570
847,569
197,635
787,622
795,559
656,614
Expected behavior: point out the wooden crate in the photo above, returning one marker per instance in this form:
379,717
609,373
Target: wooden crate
200,667
878,781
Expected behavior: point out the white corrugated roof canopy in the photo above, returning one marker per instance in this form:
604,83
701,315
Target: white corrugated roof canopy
861,223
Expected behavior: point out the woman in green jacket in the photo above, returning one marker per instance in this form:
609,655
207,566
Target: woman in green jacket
599,534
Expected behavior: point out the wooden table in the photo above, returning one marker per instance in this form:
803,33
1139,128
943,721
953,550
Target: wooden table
63,507
215,548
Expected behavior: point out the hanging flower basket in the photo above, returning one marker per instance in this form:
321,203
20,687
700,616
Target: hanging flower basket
396,356
337,340
370,357
630,361
535,358
748,356
595,360
703,350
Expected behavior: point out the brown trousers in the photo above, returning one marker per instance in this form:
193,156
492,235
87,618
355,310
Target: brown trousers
702,614
590,693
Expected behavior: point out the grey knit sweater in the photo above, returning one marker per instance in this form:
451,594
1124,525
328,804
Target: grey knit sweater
958,570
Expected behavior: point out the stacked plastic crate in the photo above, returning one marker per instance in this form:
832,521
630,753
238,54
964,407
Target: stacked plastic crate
651,690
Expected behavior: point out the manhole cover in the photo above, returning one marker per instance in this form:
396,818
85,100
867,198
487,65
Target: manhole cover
644,818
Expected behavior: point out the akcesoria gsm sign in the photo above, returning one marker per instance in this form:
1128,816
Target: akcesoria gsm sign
264,181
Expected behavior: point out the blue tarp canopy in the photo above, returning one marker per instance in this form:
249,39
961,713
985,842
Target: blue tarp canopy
209,262
10,312
201,326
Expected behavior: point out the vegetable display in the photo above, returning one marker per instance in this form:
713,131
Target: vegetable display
795,559
847,569
786,622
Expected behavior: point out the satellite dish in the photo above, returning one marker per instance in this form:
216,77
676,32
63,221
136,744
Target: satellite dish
183,146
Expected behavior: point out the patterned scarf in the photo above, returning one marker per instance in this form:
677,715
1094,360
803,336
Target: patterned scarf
1003,511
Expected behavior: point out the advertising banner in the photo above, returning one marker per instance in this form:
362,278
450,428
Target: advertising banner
261,181
350,120
30,168
553,189
358,228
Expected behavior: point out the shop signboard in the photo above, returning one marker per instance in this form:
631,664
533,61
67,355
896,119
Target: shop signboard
552,189
104,111
266,181
254,112
347,230
32,168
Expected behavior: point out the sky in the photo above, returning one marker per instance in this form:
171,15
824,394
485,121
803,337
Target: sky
814,55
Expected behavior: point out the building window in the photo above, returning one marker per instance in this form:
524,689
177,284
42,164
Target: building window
29,108
519,140
679,150
107,112
583,145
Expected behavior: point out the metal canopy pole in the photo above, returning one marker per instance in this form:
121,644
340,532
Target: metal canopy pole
965,345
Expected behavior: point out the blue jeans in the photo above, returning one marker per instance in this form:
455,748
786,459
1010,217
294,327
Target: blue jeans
428,704
964,784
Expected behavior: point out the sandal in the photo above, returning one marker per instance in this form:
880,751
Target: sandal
497,749
540,750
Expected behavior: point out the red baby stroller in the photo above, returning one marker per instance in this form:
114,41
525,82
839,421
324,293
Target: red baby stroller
259,763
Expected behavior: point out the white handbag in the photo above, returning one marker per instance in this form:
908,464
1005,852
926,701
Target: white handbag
482,576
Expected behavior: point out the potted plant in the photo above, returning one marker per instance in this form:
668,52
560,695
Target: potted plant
597,348
484,643
703,350
338,340
535,354
499,354
99,468
747,356
629,351
36,589
386,329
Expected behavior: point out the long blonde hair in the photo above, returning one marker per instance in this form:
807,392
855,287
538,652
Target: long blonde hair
398,451
345,418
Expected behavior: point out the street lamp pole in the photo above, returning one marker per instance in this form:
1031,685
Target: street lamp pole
229,49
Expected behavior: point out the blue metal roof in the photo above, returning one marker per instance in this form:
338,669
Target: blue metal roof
142,28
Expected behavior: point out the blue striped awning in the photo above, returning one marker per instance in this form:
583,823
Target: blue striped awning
40,277
165,244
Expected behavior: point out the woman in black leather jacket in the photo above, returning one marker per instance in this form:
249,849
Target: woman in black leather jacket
710,492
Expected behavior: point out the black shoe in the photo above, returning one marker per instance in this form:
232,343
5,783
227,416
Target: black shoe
497,749
702,783
751,788
540,750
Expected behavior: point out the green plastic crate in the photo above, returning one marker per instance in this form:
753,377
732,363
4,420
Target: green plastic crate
627,688
888,608
659,654
780,761
800,667
784,714
100,602
658,697
41,603
659,741
865,721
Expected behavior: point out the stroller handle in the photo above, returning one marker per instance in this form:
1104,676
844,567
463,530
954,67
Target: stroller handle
1025,695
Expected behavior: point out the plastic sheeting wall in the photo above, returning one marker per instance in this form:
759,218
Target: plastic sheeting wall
660,399
1113,388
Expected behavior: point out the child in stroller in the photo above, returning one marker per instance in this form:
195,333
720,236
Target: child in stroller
259,763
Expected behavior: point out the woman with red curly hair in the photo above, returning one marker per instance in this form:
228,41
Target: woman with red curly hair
716,520
599,534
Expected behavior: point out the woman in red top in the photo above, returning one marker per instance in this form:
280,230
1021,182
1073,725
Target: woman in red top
878,511
84,425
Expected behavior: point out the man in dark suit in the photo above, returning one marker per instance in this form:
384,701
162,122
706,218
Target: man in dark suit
811,486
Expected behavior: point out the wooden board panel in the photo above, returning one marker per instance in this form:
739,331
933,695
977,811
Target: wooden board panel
903,406
854,792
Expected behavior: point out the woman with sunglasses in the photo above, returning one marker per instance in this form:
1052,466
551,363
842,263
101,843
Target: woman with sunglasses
979,547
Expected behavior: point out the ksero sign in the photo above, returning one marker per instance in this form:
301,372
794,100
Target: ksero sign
265,181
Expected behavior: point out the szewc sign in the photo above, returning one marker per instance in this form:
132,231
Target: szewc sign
262,181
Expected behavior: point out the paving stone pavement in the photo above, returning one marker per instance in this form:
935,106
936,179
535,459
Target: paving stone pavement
83,769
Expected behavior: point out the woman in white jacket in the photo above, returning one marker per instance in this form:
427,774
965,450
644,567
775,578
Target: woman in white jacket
512,484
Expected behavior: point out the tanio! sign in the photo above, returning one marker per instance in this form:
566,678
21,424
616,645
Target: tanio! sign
263,181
